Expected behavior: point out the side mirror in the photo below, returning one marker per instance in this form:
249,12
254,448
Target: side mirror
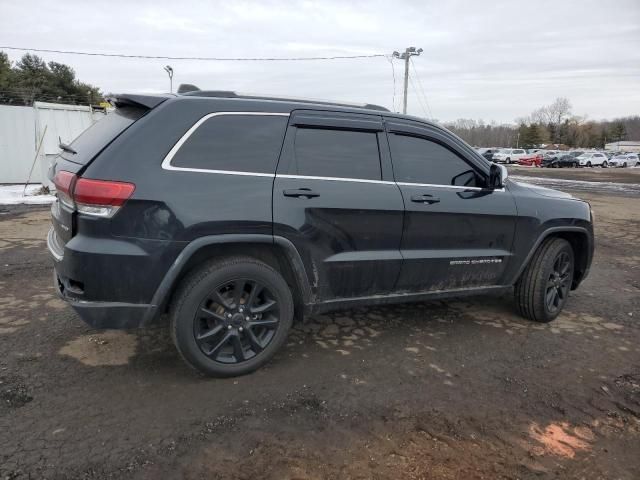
497,176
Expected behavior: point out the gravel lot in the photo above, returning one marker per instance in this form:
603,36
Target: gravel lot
450,389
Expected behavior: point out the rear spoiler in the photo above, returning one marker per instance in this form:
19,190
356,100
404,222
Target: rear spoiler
140,101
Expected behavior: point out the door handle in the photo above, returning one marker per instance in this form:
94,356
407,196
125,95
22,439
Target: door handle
300,192
425,199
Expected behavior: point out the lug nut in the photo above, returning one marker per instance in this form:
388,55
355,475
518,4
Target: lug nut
240,329
228,315
247,318
229,327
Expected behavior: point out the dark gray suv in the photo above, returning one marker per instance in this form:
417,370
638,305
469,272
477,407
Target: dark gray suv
237,214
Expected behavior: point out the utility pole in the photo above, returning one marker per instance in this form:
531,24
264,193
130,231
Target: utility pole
406,56
169,71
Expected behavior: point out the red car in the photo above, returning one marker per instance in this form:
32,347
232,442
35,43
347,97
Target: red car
533,160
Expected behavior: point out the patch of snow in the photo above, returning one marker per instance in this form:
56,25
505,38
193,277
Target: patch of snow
12,195
581,185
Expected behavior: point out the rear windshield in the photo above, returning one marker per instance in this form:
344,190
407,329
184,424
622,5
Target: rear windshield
100,134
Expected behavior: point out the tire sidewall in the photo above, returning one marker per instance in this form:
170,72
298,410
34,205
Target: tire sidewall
543,276
202,285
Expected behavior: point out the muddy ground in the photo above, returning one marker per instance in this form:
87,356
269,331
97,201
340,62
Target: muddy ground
451,389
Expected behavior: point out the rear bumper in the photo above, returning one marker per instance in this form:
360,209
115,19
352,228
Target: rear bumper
110,283
105,315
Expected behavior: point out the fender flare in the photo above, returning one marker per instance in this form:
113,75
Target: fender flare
545,234
163,292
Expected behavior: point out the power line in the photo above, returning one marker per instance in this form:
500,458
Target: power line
415,71
215,59
393,72
418,96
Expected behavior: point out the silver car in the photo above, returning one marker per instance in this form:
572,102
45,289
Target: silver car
625,160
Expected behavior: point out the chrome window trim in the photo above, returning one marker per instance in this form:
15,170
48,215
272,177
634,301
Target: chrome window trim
166,163
336,179
459,187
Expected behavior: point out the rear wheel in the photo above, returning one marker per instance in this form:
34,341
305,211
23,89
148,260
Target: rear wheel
605,164
230,316
543,289
508,160
624,165
575,164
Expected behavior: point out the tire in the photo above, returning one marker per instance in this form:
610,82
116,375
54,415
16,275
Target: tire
624,165
589,164
508,160
540,281
605,164
575,164
207,316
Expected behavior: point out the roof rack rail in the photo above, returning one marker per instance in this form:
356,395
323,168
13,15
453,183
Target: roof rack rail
192,90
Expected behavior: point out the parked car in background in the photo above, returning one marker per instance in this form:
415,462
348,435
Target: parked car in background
488,153
565,160
591,159
509,155
624,160
531,160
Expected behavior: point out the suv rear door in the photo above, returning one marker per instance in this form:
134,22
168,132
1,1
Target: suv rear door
457,234
334,198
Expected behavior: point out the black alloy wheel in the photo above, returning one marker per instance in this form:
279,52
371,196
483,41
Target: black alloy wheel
543,288
559,282
236,321
231,315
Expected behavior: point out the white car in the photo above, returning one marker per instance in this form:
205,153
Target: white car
509,155
591,159
625,160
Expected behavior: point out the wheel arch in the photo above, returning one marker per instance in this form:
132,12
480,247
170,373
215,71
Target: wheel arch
276,252
581,243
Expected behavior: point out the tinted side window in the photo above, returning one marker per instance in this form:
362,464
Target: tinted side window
337,153
243,143
417,160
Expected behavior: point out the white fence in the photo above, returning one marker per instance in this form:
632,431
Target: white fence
22,128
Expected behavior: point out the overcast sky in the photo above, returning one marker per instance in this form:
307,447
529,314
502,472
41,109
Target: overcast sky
491,60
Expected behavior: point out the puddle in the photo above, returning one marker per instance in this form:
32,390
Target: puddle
111,348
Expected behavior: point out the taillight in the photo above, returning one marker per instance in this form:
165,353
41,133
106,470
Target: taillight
100,198
64,187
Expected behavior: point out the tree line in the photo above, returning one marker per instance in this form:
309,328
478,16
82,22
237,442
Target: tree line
550,124
31,79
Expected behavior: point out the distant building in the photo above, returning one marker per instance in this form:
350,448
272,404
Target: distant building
624,146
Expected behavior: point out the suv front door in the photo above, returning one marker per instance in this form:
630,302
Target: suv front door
334,198
457,233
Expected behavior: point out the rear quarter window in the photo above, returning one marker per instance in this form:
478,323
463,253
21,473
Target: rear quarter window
242,143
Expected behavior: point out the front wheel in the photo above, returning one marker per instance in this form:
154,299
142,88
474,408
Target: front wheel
589,164
624,165
508,160
230,316
575,164
543,288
